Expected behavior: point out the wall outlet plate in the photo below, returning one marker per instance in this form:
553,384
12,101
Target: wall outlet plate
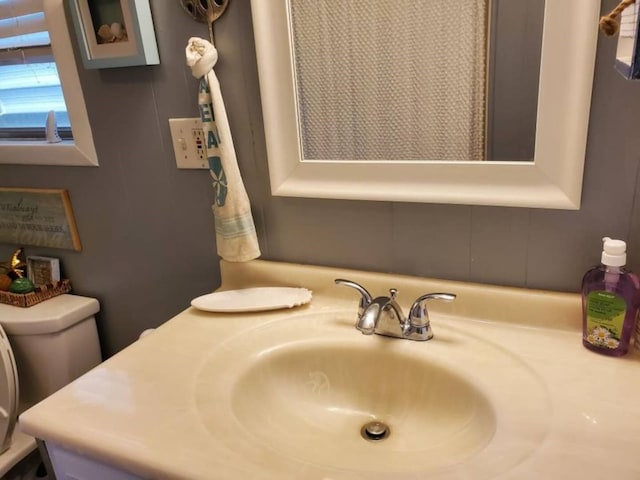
188,143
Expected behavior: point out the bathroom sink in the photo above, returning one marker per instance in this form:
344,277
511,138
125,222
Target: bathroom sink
324,393
312,389
504,390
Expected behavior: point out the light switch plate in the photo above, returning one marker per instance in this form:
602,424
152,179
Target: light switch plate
188,143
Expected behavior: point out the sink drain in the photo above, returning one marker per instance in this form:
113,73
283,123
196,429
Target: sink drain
374,431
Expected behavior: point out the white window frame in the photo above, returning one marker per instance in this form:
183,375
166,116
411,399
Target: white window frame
77,152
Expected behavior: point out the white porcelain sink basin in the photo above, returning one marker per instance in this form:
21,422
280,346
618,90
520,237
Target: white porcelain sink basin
505,390
304,387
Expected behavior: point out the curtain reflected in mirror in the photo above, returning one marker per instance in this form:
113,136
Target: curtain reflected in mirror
409,81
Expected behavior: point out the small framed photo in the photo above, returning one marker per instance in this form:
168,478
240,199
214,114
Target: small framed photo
114,33
43,270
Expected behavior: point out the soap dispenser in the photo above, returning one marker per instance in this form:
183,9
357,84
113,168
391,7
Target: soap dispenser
610,302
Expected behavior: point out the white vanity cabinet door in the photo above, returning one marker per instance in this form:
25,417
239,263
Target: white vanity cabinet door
69,465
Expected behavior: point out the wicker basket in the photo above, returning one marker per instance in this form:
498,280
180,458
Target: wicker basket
40,294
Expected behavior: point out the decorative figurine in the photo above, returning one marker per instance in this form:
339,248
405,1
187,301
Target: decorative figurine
13,270
51,128
15,266
111,33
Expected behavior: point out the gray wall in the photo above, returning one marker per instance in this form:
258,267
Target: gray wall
514,69
148,232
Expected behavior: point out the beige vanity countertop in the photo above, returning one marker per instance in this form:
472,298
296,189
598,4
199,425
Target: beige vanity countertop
137,410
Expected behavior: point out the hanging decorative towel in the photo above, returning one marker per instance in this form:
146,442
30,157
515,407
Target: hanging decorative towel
235,232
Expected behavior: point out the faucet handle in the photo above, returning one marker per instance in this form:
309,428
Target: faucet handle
365,296
418,315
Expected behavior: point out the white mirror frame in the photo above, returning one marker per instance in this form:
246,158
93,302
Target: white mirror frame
81,150
552,180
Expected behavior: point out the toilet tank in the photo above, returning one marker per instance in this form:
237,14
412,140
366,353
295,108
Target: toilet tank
53,343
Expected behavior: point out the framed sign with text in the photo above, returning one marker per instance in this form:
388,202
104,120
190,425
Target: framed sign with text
38,217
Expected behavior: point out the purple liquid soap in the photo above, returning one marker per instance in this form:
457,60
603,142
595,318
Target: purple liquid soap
610,302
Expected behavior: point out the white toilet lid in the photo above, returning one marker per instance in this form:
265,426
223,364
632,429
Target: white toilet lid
8,392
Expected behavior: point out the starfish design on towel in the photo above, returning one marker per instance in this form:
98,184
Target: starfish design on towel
219,180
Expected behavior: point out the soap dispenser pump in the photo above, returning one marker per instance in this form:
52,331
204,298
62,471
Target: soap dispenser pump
610,302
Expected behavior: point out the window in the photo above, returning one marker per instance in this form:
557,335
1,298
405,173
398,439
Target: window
29,81
38,74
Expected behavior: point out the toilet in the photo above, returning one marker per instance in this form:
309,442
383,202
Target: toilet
42,348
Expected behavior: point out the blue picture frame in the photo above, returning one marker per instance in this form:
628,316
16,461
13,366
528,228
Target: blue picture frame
114,33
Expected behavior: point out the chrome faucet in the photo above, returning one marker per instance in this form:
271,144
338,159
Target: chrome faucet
383,315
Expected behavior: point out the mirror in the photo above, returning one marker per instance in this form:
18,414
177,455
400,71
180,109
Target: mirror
513,64
552,180
368,89
628,51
